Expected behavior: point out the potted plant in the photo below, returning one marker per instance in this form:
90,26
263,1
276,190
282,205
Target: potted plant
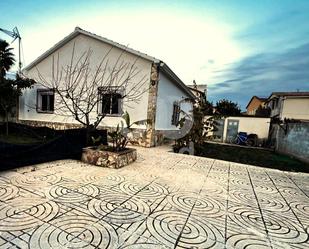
116,154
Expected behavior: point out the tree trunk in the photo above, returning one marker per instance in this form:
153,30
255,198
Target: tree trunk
88,137
89,130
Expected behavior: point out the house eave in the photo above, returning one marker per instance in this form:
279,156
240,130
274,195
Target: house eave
166,70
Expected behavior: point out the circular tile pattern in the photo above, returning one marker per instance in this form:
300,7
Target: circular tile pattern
283,229
116,198
91,177
166,227
279,227
18,222
89,190
273,204
292,192
240,182
142,246
265,188
244,197
246,217
68,193
215,191
34,180
116,178
109,181
302,208
7,191
203,205
74,232
247,241
45,211
152,190
128,211
208,207
53,179
26,213
183,201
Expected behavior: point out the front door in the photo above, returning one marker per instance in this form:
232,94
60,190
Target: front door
232,129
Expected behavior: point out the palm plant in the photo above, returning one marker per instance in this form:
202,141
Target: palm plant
6,58
119,136
10,89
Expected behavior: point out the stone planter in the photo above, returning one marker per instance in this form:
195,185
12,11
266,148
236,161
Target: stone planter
104,158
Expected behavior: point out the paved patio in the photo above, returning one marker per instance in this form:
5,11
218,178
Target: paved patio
163,200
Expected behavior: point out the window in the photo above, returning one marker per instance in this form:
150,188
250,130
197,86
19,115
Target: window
110,102
274,103
45,100
176,113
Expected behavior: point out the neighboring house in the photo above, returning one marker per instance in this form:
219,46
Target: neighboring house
254,104
289,105
200,91
159,105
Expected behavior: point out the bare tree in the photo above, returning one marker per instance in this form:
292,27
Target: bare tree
80,86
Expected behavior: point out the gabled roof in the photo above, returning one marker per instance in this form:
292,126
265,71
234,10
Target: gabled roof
78,31
287,94
259,98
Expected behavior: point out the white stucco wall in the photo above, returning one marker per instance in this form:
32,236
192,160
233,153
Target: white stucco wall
295,108
137,111
168,93
259,126
275,110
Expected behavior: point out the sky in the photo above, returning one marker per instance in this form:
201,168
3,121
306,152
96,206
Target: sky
239,48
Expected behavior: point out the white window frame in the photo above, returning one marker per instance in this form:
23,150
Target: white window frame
40,93
110,90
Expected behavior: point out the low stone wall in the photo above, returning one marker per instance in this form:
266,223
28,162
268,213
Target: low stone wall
52,125
293,139
137,136
109,159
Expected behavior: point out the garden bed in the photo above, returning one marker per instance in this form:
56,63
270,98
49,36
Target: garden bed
108,158
253,156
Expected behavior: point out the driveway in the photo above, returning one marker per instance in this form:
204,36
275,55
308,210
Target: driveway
163,200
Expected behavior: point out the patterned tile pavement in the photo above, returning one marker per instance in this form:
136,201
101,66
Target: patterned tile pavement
164,200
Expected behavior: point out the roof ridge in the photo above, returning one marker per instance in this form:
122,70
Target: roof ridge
79,30
114,42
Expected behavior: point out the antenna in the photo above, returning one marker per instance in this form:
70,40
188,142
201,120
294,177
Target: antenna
15,34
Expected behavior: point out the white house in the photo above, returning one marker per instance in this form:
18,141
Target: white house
160,104
289,105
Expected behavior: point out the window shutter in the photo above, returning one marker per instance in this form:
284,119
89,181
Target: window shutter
176,113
